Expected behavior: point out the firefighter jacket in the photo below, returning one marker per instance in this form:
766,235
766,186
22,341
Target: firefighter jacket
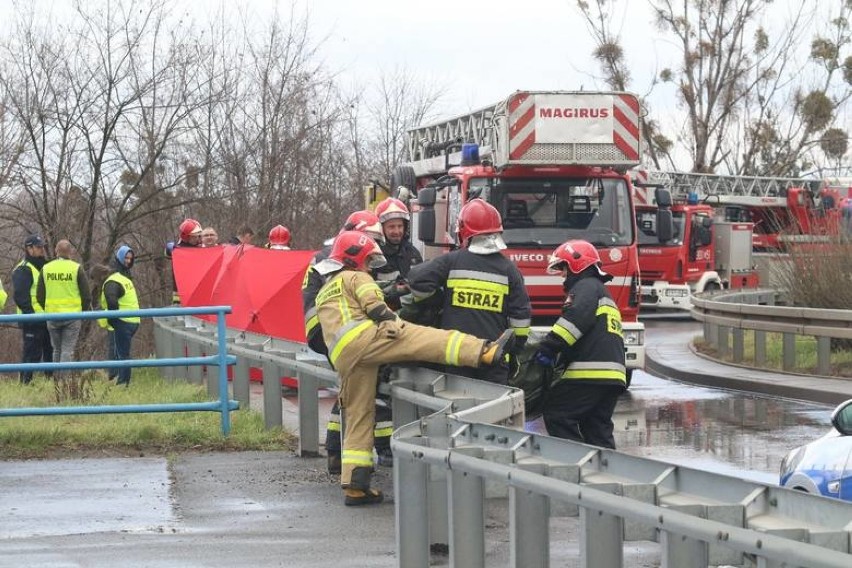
63,287
25,284
400,260
392,276
311,285
342,307
588,334
484,294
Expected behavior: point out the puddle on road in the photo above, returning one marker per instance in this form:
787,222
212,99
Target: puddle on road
59,497
727,432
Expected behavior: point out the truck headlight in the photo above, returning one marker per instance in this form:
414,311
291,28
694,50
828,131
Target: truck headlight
634,337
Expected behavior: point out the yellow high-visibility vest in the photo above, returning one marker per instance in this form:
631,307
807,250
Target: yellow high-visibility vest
129,301
61,289
33,297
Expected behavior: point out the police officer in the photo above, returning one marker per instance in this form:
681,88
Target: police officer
63,287
483,291
588,340
362,333
366,222
398,250
36,340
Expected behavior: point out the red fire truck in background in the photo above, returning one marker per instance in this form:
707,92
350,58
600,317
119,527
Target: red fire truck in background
724,226
700,254
783,210
554,164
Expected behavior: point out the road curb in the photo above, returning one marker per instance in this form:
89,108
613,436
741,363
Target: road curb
763,382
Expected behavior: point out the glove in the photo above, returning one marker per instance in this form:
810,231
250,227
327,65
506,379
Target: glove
112,322
544,357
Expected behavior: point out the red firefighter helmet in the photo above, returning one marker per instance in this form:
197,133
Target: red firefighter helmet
357,250
279,235
576,255
392,208
189,228
365,222
478,217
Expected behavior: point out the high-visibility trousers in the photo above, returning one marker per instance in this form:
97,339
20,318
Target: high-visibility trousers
358,365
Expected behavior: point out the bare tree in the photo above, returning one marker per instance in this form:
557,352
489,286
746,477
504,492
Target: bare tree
750,106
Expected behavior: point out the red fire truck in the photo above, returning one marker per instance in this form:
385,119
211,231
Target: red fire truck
783,210
699,254
554,164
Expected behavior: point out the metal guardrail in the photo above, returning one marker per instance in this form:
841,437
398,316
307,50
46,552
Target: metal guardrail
727,315
219,360
459,441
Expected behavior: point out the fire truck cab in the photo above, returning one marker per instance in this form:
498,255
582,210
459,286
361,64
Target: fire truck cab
691,253
553,164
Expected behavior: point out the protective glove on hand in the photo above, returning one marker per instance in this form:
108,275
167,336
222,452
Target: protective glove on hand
544,357
113,322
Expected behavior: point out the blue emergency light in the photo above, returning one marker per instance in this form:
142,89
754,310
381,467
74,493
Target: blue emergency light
470,154
692,198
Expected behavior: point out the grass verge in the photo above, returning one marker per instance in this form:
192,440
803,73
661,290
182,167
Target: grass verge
122,434
806,354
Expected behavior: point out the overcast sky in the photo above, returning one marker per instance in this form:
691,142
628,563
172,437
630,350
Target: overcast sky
479,50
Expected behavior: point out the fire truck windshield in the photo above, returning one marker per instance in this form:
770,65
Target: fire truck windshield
545,212
646,220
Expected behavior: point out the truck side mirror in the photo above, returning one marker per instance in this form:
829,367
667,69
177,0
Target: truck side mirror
665,225
426,217
663,197
426,197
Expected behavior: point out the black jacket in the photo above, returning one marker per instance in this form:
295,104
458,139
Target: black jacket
22,281
484,295
310,288
589,334
112,289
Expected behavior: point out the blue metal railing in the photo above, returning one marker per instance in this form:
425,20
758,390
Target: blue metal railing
220,360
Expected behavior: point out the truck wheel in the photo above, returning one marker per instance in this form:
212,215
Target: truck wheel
403,175
712,287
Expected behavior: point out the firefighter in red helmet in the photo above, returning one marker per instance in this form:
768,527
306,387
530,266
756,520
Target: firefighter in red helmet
189,233
363,333
279,238
368,223
587,340
483,291
398,250
189,236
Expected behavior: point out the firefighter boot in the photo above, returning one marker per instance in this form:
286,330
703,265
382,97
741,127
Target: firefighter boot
494,351
359,491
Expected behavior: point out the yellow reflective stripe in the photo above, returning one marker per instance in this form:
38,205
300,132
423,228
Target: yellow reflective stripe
357,457
312,323
608,310
383,432
522,331
343,308
346,339
366,288
478,284
451,356
594,374
566,335
333,426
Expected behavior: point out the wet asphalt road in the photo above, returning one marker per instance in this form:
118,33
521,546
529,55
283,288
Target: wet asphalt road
274,509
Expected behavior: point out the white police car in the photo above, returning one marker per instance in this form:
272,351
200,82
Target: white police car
824,466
